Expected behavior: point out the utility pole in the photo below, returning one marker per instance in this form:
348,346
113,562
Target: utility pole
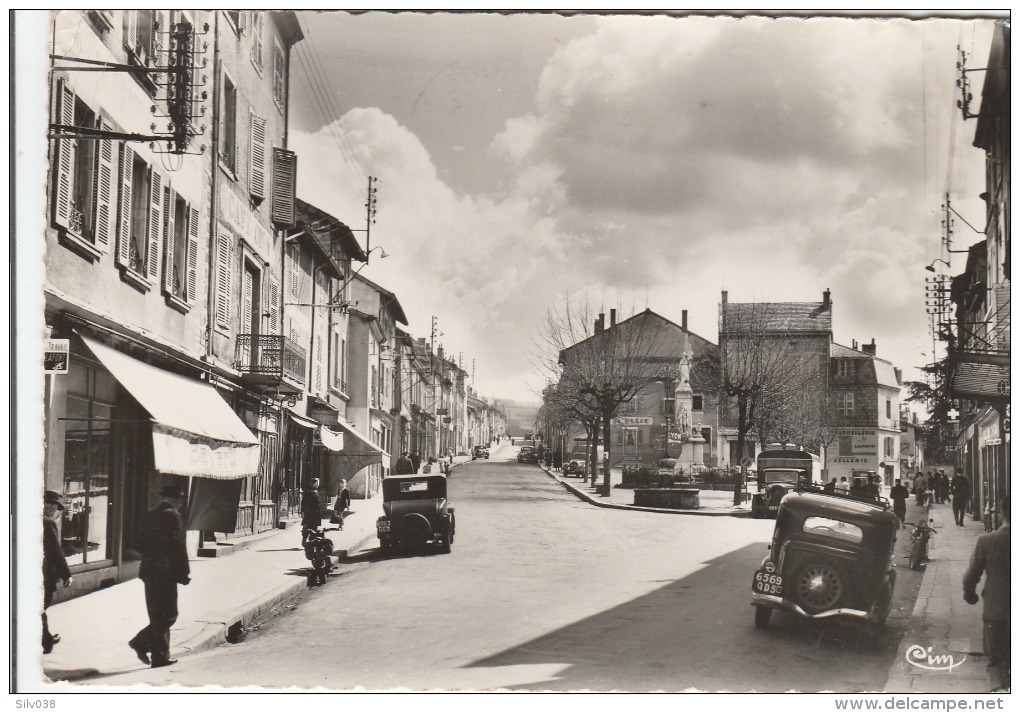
370,216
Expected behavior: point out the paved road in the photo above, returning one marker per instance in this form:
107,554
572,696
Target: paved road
544,592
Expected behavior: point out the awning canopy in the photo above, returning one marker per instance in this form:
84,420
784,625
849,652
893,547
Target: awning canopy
358,453
331,440
194,432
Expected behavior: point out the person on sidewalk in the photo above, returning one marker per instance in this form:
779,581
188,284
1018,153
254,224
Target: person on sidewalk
54,565
899,496
311,510
944,487
416,460
430,466
404,466
842,486
341,505
164,566
991,559
961,497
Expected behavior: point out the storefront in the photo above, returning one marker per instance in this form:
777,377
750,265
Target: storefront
865,450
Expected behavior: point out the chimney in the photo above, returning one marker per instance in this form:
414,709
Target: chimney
683,317
869,348
724,294
600,323
853,344
612,318
439,352
826,298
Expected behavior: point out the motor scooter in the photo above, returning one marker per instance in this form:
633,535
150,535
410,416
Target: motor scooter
919,538
318,551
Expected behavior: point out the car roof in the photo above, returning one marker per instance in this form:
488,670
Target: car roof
810,503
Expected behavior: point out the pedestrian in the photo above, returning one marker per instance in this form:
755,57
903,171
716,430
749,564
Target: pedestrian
843,486
311,510
416,460
944,487
899,495
961,497
428,467
341,504
875,486
991,559
403,465
921,488
164,566
54,565
830,487
558,458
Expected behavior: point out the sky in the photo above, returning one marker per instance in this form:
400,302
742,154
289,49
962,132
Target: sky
640,161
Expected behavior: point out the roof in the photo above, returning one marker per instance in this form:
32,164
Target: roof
390,302
777,316
885,372
328,229
642,315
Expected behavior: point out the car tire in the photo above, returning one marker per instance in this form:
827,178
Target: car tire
762,615
447,544
820,585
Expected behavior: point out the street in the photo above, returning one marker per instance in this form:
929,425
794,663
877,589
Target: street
544,592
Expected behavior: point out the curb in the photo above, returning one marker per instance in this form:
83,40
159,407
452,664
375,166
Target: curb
588,497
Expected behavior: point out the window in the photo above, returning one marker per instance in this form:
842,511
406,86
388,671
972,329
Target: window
844,368
228,126
295,271
375,387
698,402
890,449
233,19
257,158
224,279
279,73
845,404
141,217
144,35
838,529
888,408
343,365
85,190
257,19
180,247
668,406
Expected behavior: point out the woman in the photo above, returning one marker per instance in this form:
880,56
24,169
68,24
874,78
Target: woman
341,505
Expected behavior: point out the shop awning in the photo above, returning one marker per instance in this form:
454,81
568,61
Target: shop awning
194,432
323,436
358,452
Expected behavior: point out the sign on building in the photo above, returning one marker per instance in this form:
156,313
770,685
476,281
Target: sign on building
55,357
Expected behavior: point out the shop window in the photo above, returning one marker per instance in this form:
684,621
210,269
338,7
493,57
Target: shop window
88,471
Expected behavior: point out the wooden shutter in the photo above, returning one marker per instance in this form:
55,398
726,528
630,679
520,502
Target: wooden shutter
193,219
284,184
257,176
130,29
274,305
105,202
223,274
127,165
160,26
170,213
65,157
155,223
256,38
295,272
248,297
278,74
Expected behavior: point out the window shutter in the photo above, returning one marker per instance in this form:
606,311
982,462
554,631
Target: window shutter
155,223
257,178
65,158
248,299
274,305
193,219
284,183
278,74
223,273
256,38
127,165
295,273
160,26
170,215
104,192
318,363
130,29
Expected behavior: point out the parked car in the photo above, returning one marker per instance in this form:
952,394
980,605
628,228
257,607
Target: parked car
577,465
831,557
415,513
527,454
480,452
773,486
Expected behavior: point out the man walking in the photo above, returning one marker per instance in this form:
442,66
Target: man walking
54,565
899,495
404,466
415,460
991,559
164,566
961,497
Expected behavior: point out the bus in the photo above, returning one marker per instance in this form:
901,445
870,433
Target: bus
780,467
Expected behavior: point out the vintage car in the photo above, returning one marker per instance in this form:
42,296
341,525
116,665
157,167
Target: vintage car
831,557
479,452
415,513
527,454
773,485
577,465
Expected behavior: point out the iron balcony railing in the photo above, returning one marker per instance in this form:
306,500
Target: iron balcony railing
270,355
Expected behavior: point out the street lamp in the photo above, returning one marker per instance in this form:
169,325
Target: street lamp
931,267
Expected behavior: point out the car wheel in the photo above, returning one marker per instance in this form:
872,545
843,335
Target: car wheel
819,587
762,615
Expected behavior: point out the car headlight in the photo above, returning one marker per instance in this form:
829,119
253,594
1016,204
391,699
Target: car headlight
770,566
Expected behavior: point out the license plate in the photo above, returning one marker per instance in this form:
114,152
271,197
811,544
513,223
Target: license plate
765,583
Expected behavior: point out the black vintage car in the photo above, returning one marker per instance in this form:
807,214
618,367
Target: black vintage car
480,452
416,513
830,557
527,454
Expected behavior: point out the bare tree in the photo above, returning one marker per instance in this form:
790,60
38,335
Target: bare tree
768,382
604,367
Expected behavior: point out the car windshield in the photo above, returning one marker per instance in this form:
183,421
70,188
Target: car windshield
527,449
781,476
829,527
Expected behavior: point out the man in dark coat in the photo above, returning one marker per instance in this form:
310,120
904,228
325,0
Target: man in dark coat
416,460
961,496
54,565
311,509
404,465
164,566
899,495
991,559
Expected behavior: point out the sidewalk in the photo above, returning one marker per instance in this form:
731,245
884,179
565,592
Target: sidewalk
941,619
713,502
224,595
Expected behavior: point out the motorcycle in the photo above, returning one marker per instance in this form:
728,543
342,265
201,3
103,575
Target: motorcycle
318,550
919,538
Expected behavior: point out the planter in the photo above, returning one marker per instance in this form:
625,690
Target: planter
679,498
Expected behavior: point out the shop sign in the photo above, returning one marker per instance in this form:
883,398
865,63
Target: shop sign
993,441
633,420
857,446
55,356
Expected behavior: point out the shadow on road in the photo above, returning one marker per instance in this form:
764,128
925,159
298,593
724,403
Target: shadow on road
694,634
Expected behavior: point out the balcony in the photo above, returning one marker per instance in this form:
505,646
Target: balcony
269,358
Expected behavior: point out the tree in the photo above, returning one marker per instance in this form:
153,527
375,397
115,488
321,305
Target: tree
767,378
603,367
934,393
